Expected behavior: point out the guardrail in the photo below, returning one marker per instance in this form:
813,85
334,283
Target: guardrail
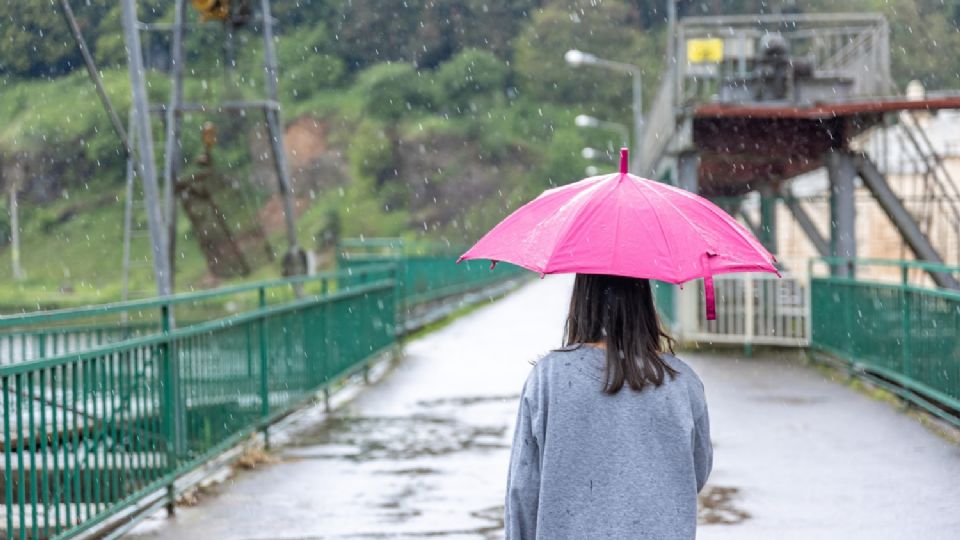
425,272
901,335
88,434
106,407
32,336
754,309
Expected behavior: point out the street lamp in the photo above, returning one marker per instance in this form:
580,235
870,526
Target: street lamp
591,153
583,120
578,58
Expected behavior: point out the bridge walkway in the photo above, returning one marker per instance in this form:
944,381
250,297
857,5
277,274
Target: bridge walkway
423,452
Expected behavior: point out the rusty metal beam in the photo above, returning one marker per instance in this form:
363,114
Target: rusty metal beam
829,110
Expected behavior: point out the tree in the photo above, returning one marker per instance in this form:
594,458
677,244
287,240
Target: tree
604,29
425,32
393,90
470,77
307,62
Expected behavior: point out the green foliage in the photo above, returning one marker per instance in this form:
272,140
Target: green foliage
395,90
37,41
440,117
605,29
424,32
5,228
316,72
469,78
328,236
371,154
563,163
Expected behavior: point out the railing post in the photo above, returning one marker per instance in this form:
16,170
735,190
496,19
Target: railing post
41,345
396,353
399,274
264,366
748,315
905,320
171,408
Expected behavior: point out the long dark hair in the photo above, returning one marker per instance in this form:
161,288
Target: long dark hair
619,312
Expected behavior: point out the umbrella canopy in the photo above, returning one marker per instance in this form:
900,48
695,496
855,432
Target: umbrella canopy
620,224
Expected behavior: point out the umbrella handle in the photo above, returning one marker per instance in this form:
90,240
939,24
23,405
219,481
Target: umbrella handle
710,298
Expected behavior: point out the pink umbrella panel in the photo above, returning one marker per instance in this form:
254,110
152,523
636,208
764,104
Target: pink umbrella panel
624,225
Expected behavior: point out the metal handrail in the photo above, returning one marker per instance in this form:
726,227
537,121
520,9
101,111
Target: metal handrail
919,265
21,319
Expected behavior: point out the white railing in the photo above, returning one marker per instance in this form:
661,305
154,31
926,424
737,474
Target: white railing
752,309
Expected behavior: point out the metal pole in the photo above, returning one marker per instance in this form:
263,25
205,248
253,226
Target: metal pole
128,222
273,127
15,232
94,74
146,161
171,153
688,170
768,217
843,241
671,31
637,119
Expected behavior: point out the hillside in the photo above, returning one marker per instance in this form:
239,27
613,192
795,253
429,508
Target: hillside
402,118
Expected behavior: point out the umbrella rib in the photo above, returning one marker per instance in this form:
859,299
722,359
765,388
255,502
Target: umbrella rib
741,233
656,216
575,218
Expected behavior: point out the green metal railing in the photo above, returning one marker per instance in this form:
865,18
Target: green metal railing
87,434
664,296
900,333
424,270
105,407
33,336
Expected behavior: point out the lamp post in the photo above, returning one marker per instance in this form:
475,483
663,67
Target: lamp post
583,120
591,153
579,58
594,154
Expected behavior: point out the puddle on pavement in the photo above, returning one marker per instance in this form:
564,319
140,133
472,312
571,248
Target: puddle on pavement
718,506
466,401
394,440
391,438
435,428
789,400
413,471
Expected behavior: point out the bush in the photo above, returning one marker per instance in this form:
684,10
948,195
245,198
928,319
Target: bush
394,90
469,78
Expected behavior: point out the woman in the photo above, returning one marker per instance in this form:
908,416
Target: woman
612,436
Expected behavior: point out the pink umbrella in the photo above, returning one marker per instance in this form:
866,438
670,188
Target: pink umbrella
620,224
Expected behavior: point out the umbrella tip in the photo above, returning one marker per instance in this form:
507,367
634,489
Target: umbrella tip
623,160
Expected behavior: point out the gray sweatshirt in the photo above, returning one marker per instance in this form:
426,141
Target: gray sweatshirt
588,465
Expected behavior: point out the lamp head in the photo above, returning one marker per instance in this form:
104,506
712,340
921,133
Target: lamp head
575,57
583,120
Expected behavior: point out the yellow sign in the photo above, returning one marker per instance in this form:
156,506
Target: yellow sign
704,51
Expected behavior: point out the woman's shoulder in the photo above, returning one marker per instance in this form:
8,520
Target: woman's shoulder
687,376
565,356
559,360
681,366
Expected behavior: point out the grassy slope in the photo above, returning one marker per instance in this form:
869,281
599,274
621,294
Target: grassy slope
84,253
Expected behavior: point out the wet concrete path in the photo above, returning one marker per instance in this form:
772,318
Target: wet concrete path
423,453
